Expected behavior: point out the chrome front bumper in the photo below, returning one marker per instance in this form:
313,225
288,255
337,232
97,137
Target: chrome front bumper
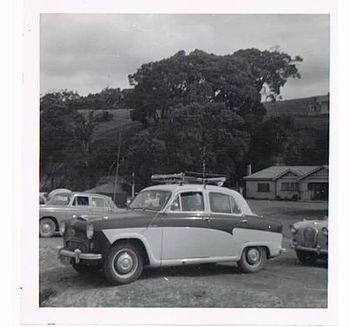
77,255
317,249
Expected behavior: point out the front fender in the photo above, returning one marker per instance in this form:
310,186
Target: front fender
151,244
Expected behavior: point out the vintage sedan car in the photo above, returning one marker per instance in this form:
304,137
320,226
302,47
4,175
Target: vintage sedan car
67,205
169,225
310,240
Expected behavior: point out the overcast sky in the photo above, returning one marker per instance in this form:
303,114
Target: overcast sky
86,53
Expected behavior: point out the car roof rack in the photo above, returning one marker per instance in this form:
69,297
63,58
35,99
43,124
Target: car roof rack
189,177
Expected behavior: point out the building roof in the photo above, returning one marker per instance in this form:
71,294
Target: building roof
275,172
106,189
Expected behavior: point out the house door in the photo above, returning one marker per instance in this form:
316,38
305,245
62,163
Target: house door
319,191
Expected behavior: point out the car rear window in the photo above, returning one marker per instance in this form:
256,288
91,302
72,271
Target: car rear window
223,203
98,202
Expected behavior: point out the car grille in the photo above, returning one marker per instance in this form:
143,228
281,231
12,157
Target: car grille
309,237
72,245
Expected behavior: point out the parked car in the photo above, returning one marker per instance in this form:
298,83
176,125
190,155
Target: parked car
169,225
67,205
310,240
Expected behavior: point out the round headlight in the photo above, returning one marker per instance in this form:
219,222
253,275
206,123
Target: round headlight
325,231
62,228
89,231
293,229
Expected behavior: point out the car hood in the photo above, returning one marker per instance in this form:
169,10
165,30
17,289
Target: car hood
125,219
319,224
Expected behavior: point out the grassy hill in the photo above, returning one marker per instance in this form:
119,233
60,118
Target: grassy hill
295,107
120,120
298,109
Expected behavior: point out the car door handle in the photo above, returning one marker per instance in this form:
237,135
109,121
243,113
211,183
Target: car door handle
244,221
206,218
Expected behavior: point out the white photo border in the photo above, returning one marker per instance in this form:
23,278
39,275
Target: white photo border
28,171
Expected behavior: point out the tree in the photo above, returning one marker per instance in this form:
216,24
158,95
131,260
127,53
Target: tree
269,70
270,142
236,80
192,135
66,138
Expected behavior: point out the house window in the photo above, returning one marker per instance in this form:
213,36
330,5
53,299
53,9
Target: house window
264,187
289,186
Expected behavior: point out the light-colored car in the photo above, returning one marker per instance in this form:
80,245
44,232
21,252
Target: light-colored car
43,198
169,225
63,206
310,240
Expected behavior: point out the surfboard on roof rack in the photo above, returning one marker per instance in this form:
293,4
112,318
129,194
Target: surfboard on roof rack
186,178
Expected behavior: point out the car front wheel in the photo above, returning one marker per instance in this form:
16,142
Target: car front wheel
253,259
124,264
306,258
47,227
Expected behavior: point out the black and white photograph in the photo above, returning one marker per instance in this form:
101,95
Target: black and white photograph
182,166
184,160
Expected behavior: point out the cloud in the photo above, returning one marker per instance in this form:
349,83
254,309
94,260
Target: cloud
87,52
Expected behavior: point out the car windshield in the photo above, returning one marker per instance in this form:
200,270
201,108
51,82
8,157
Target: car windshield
60,199
151,200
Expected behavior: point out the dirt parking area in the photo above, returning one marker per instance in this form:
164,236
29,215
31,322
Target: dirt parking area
284,283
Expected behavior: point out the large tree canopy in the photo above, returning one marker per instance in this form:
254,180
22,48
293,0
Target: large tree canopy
236,80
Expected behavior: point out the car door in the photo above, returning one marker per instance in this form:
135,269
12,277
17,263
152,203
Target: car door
185,227
225,216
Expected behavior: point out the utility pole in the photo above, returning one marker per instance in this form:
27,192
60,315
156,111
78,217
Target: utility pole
133,185
203,161
117,168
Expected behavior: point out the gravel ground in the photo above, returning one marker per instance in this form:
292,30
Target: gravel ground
284,283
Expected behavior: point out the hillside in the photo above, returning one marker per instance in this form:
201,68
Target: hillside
120,120
311,112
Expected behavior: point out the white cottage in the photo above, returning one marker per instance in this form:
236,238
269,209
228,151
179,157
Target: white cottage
289,183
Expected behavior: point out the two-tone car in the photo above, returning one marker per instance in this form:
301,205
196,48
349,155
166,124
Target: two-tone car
310,240
63,206
171,225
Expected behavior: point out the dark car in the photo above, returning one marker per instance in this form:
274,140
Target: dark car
170,225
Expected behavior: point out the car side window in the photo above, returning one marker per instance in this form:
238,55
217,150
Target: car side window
98,202
223,203
192,201
81,201
235,209
188,201
219,202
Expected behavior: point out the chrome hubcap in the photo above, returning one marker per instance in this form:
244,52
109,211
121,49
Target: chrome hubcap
253,256
124,263
46,227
